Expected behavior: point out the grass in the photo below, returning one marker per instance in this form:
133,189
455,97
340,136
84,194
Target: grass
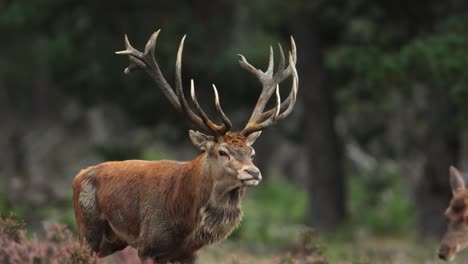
378,204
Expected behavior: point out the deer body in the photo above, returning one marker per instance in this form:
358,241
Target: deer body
168,210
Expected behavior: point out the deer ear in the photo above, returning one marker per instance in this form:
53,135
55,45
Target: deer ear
252,137
457,183
200,140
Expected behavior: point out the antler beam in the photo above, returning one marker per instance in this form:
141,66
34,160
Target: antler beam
147,62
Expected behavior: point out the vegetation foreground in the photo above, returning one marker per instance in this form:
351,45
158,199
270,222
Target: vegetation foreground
57,244
271,232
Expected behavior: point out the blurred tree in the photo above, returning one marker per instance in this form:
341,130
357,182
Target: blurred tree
445,56
315,27
326,183
428,58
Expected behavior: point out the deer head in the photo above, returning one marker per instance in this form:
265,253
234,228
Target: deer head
230,153
456,237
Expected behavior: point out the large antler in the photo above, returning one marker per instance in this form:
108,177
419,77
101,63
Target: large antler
270,80
147,62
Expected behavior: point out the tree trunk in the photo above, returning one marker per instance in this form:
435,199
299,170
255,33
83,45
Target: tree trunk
326,185
442,149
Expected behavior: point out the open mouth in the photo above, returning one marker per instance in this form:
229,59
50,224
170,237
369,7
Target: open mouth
251,181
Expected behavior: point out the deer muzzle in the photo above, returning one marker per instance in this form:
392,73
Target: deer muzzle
447,252
249,175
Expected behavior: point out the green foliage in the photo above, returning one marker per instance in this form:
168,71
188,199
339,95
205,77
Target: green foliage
273,212
438,61
57,211
378,203
4,204
23,13
152,154
60,211
8,209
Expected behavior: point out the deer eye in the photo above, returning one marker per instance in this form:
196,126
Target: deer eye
458,208
252,157
222,153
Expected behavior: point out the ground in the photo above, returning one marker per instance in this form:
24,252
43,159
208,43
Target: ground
368,250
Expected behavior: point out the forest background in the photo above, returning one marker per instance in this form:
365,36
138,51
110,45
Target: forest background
364,157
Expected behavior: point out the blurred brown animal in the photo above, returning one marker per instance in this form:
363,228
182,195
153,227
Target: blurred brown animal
168,210
456,237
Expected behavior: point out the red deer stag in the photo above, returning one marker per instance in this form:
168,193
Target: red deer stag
168,210
456,237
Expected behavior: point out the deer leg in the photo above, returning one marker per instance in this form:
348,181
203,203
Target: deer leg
110,242
107,248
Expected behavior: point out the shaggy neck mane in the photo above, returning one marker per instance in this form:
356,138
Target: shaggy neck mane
195,187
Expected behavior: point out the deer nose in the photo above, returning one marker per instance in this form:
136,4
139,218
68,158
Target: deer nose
255,173
443,253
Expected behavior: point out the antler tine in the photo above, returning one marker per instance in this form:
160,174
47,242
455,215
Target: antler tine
271,63
275,114
268,79
218,130
198,108
287,105
198,121
294,89
294,50
282,60
135,57
269,82
246,65
147,62
226,122
283,73
151,44
273,118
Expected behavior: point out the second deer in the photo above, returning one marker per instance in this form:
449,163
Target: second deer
456,237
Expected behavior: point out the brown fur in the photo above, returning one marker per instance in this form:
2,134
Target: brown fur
167,210
234,139
456,237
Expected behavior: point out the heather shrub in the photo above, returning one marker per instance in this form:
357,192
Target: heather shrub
55,246
10,228
308,250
